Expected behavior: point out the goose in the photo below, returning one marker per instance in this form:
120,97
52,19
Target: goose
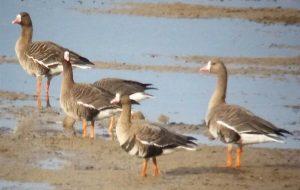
135,90
233,124
42,58
146,139
83,101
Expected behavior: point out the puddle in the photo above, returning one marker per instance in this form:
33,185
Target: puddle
7,125
51,164
16,185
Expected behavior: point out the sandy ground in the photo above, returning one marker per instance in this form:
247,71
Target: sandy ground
253,66
38,152
182,10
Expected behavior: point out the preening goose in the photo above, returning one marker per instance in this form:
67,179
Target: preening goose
42,58
145,139
83,101
233,124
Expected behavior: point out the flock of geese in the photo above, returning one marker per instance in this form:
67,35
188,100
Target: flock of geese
232,124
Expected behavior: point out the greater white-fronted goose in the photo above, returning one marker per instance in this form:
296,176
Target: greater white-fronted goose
145,139
135,90
42,58
83,101
233,124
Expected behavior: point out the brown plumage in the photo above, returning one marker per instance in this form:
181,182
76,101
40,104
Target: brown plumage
41,59
233,124
123,86
136,91
83,101
146,139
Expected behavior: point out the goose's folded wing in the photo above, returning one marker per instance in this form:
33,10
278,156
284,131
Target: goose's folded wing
46,54
155,134
49,54
91,97
242,120
115,85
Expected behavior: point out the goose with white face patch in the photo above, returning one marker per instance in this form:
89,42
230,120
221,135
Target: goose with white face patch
42,59
233,124
84,101
146,139
135,90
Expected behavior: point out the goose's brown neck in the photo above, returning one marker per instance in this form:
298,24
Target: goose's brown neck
125,117
24,40
67,81
219,94
26,35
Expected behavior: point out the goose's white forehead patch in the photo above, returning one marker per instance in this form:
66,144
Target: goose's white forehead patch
209,63
67,56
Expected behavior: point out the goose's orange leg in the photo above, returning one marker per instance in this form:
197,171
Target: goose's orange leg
38,92
239,151
155,167
84,128
229,156
47,92
144,168
111,126
92,129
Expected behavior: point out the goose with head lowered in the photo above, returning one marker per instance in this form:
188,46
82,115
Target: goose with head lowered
146,139
83,101
42,58
233,124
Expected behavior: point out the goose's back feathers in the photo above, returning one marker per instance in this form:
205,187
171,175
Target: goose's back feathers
147,139
128,87
48,54
157,135
86,101
92,97
231,122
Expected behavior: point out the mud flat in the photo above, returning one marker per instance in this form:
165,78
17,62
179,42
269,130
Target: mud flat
193,11
38,154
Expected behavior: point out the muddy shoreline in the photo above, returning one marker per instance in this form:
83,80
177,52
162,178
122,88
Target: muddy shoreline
40,152
196,11
248,66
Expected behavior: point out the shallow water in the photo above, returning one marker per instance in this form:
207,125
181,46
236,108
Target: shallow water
16,185
131,39
184,97
51,163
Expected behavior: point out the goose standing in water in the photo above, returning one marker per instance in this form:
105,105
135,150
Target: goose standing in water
83,101
115,86
145,139
233,124
42,58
